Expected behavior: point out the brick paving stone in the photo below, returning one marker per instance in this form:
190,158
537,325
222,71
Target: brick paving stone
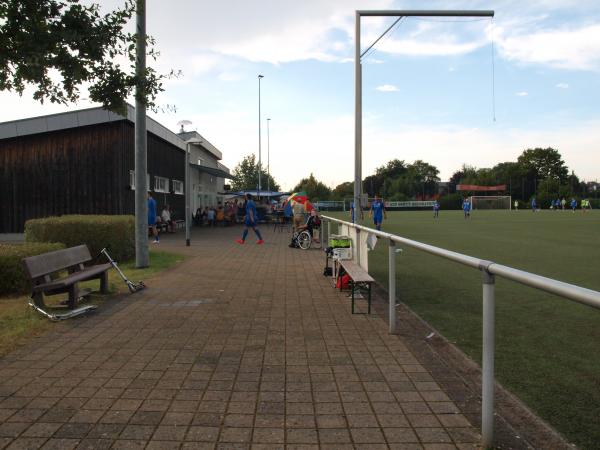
302,436
257,352
24,443
94,444
334,436
60,444
163,445
137,432
12,429
123,444
396,435
106,431
432,435
268,435
170,433
367,435
331,421
73,430
202,433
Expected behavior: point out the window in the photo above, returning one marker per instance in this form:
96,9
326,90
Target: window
132,180
177,186
161,184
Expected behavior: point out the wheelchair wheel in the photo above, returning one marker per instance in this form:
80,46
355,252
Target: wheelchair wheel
304,240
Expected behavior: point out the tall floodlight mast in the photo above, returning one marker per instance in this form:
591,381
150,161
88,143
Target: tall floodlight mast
487,407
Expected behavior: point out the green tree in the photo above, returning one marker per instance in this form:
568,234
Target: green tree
423,178
315,189
58,45
246,176
374,184
545,163
343,191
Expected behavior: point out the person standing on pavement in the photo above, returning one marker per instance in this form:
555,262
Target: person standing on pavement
152,218
251,221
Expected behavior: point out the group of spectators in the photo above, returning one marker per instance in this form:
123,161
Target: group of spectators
222,215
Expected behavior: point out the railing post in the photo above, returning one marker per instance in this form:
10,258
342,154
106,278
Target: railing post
358,255
487,366
328,231
392,287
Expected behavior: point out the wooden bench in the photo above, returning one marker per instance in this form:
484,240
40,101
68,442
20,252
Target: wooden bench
43,271
359,277
179,223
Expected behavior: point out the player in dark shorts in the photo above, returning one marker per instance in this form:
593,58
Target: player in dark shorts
250,221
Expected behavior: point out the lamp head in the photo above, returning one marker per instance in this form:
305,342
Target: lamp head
261,76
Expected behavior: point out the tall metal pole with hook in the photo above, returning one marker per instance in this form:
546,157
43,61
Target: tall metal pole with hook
259,138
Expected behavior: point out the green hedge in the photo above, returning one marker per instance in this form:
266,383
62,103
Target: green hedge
115,232
12,275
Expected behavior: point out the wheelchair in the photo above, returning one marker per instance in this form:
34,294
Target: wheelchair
302,240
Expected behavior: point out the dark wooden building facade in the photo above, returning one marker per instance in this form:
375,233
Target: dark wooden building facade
48,167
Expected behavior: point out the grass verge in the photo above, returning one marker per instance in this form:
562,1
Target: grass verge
19,323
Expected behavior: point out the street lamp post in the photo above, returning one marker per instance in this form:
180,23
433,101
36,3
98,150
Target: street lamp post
268,157
187,191
259,140
142,258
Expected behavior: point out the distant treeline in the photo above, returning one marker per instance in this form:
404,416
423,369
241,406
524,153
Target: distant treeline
538,172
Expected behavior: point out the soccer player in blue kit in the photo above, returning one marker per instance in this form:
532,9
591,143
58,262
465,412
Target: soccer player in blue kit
378,212
466,206
250,221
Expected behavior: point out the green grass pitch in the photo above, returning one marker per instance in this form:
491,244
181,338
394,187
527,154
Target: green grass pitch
547,347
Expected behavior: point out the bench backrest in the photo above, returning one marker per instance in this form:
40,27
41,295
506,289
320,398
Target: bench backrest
40,265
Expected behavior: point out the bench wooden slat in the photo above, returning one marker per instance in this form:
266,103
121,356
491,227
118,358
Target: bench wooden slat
47,263
357,273
83,275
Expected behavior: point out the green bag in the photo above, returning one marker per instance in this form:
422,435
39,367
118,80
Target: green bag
340,241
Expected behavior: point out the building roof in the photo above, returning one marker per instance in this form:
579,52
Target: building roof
212,171
93,116
187,135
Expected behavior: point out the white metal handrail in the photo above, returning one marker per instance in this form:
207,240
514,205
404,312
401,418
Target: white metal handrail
488,270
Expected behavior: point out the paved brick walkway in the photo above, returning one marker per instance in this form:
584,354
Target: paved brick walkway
239,347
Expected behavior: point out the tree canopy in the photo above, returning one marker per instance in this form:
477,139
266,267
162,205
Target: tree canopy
315,189
246,176
545,163
57,46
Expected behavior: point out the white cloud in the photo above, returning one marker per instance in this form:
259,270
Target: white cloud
440,46
371,61
230,76
522,94
564,48
562,85
448,147
387,88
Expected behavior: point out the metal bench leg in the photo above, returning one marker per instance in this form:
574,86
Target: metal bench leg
38,299
73,295
104,283
352,287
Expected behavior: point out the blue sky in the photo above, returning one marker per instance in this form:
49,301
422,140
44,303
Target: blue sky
427,87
